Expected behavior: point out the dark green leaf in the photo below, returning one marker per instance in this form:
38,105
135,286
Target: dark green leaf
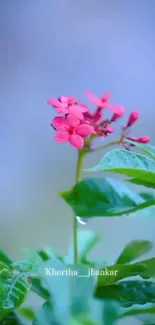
129,293
112,274
102,197
141,182
127,163
133,250
39,286
147,196
4,258
11,319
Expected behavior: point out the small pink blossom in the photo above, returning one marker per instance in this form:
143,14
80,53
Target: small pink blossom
100,102
68,105
144,139
118,112
134,116
70,129
103,102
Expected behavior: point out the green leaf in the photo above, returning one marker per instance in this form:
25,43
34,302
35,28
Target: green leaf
26,312
141,182
147,148
11,319
70,289
102,197
127,163
114,273
4,258
147,196
133,250
86,241
139,311
39,286
129,293
15,287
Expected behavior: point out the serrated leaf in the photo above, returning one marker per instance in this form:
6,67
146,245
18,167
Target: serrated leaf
15,287
114,273
127,163
100,197
133,250
129,293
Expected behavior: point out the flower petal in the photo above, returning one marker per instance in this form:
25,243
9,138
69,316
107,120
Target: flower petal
72,120
54,102
94,99
76,110
84,108
61,136
61,110
60,123
76,141
84,130
68,100
106,96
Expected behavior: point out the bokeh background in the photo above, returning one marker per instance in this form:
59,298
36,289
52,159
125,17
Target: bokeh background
49,48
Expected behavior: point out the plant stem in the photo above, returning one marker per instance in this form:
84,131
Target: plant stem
113,143
81,154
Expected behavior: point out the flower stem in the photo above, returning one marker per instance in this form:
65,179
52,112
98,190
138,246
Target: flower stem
113,143
81,154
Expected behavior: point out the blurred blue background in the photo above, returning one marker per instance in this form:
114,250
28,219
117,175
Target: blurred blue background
49,48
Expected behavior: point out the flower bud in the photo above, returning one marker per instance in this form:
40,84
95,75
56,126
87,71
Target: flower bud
133,118
118,112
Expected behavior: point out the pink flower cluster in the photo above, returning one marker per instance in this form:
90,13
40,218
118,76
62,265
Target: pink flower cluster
77,123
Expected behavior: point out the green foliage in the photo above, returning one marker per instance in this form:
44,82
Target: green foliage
14,286
90,292
28,313
127,163
133,250
129,293
100,197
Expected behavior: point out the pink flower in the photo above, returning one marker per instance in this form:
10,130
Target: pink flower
68,105
144,139
134,116
103,102
118,112
93,118
70,129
